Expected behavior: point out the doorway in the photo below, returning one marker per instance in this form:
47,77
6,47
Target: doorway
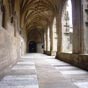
32,47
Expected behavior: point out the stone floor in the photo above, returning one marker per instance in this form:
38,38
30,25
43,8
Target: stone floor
41,71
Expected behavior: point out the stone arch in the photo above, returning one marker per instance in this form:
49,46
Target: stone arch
36,36
76,19
34,31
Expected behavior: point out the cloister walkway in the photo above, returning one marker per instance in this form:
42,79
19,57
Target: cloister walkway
42,71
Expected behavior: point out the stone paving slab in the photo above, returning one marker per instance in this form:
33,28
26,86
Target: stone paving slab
19,80
29,86
23,67
50,78
82,84
22,72
25,63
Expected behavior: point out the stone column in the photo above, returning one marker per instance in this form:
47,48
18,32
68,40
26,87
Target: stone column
0,17
59,33
51,39
76,11
46,40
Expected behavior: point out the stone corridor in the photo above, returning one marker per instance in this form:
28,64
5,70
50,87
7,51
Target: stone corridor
42,71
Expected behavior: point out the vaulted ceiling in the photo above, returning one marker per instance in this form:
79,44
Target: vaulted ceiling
37,14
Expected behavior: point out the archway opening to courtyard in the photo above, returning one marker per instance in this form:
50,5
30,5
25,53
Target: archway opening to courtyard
67,27
55,37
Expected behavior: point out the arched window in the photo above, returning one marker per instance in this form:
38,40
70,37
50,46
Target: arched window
85,25
67,27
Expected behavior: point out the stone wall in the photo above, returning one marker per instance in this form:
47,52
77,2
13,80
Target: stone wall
9,48
74,59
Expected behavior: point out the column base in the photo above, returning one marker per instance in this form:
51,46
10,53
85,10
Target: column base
47,53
